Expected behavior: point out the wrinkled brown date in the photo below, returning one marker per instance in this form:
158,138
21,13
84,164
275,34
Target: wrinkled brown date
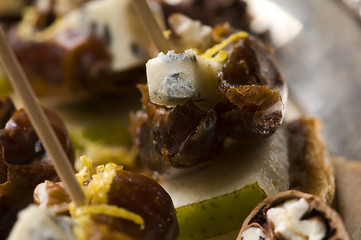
180,137
24,164
71,62
251,82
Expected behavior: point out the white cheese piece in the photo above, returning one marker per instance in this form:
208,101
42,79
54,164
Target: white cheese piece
190,33
254,233
286,219
176,78
268,16
36,223
118,23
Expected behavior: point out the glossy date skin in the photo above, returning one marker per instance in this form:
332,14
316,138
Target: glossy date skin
142,195
70,62
7,108
24,164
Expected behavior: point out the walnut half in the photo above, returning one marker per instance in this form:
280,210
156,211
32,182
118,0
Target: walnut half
53,196
293,215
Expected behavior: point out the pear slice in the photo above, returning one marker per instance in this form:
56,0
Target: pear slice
217,199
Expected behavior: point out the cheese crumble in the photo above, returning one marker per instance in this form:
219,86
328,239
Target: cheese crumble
287,221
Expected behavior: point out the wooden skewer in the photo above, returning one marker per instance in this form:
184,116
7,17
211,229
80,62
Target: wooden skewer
39,120
152,26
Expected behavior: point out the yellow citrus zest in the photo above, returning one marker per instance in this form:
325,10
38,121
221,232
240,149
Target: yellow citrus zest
216,53
96,187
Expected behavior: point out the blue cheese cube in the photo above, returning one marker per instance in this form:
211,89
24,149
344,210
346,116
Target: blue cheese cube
118,23
176,78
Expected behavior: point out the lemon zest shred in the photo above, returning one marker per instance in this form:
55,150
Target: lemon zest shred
221,56
167,33
78,229
85,170
211,52
109,210
96,192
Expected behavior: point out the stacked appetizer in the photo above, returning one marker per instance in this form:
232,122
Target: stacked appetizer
211,134
119,205
211,129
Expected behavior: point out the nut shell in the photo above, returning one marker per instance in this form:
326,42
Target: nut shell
258,217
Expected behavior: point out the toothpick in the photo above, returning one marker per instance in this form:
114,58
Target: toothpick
152,26
39,120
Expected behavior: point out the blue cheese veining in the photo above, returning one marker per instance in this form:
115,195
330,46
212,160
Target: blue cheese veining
176,78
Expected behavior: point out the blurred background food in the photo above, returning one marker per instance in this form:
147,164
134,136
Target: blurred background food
320,64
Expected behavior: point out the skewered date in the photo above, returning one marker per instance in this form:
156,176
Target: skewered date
21,143
147,198
248,101
24,163
131,191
